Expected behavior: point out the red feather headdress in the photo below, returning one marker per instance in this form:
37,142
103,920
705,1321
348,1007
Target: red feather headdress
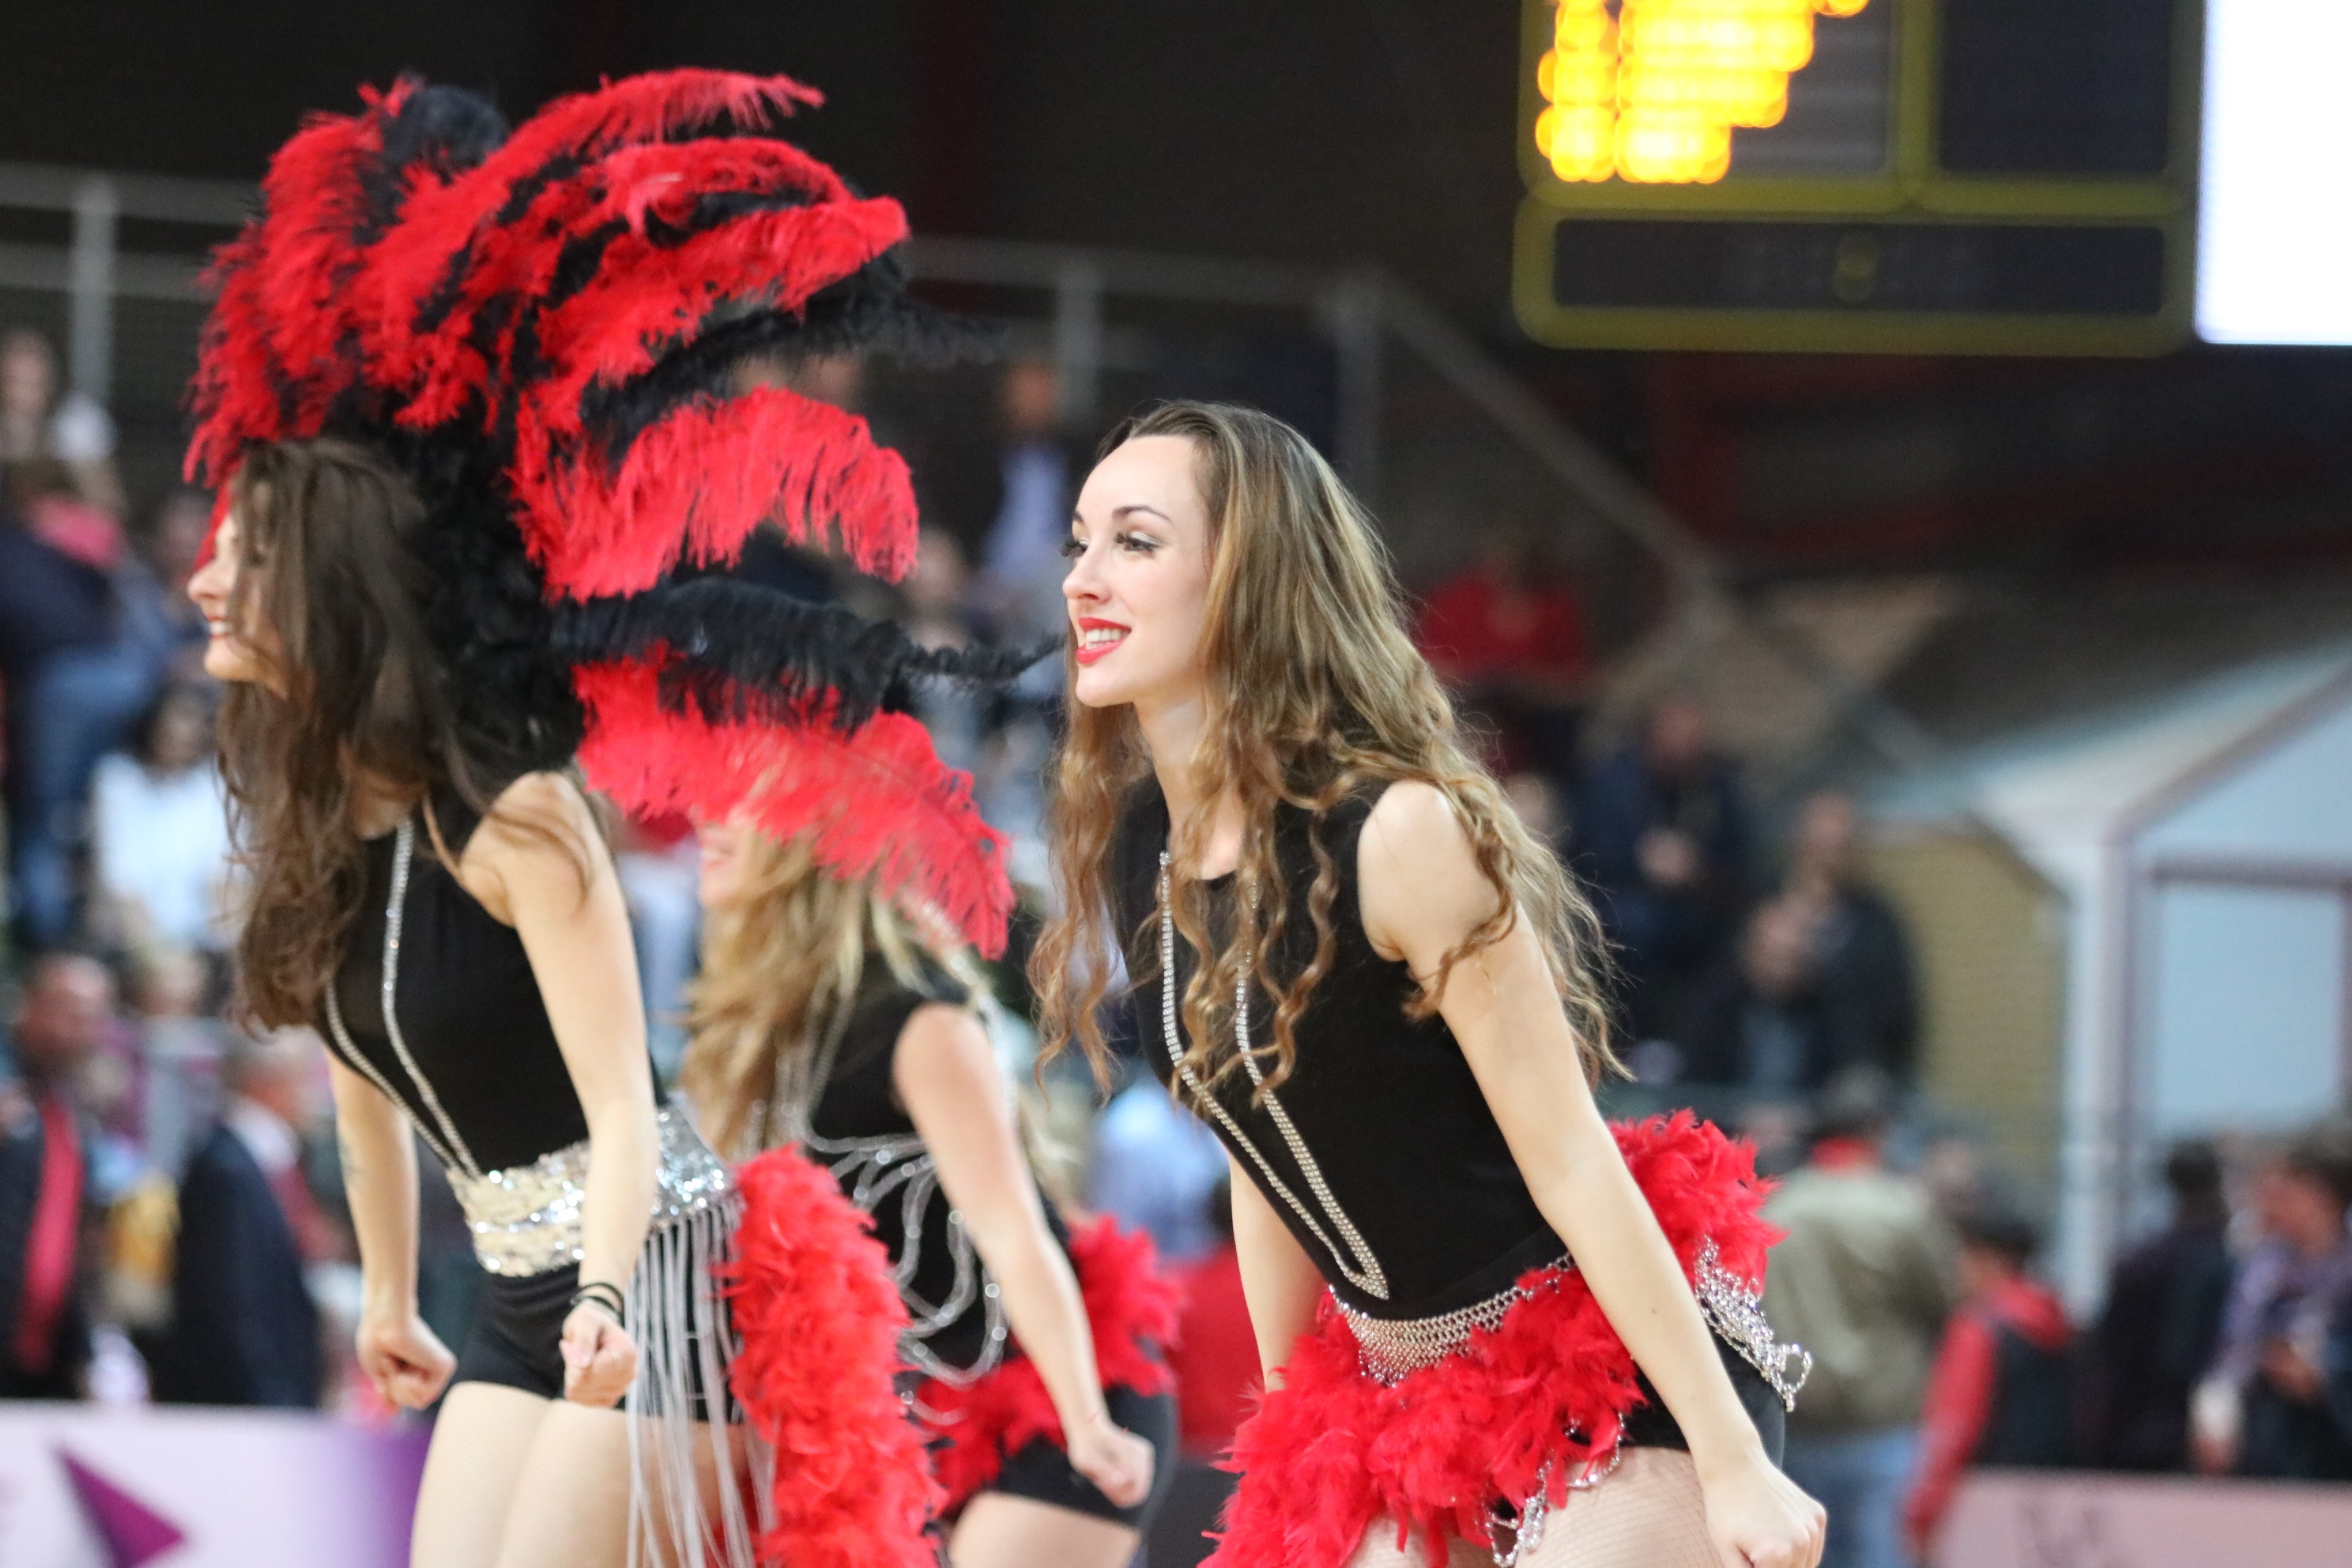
545,330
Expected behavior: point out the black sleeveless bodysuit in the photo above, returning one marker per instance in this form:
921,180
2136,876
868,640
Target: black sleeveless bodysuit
469,1008
859,1103
489,1085
1386,1106
1427,1210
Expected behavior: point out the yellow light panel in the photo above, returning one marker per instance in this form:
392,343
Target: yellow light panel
1651,89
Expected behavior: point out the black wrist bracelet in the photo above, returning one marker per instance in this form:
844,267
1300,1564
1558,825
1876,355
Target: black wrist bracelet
603,1294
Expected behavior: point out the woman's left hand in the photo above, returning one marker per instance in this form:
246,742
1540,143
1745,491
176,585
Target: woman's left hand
1759,1517
600,1360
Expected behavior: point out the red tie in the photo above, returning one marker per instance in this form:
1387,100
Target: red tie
50,1244
312,1239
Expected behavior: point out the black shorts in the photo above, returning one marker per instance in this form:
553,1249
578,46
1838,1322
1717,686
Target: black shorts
518,1335
517,1340
1650,1425
1041,1470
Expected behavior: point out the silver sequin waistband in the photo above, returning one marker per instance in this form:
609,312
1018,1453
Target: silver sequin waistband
1390,1350
526,1220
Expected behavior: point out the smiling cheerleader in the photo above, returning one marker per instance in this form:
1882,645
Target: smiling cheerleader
1493,1327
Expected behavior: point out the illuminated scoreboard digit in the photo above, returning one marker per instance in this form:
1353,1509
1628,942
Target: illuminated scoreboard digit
1912,175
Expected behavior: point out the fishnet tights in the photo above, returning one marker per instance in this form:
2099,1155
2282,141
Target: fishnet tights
1647,1515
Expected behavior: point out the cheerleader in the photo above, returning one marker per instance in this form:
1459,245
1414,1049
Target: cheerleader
828,1020
470,397
1491,1325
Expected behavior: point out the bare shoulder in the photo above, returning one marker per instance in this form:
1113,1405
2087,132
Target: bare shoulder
541,829
939,1032
1420,886
944,1059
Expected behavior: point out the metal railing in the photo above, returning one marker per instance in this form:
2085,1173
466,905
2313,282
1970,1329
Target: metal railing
1360,311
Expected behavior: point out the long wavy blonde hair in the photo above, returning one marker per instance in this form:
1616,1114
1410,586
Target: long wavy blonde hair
780,965
1315,694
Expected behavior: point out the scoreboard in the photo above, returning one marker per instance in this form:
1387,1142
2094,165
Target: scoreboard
1949,177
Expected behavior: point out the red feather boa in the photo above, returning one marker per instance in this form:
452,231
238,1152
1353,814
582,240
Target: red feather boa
1332,1450
819,1316
876,802
1131,1309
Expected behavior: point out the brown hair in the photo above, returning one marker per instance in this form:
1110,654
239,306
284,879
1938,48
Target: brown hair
779,965
1314,694
331,567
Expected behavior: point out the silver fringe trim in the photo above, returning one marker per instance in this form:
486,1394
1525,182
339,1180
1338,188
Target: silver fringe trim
526,1220
684,1344
1736,1312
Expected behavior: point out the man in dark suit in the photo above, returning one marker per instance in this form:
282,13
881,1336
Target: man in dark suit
44,1211
244,1330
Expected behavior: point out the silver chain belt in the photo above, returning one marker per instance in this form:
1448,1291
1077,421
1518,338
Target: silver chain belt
1390,1350
526,1220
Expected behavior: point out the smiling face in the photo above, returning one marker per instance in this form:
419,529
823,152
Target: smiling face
1138,590
725,848
232,654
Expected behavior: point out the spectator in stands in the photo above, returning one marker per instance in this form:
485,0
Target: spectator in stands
1020,567
1215,1356
939,615
168,548
1218,1375
2264,1409
1663,834
1156,1168
659,868
158,829
244,1330
180,1045
75,685
1509,638
46,1215
1860,953
39,420
1862,1281
2162,1320
2001,1390
1759,1023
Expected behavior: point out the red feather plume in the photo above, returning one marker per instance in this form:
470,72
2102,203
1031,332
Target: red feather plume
876,802
699,483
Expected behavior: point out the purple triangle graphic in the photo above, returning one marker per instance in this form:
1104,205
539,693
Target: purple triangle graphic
133,1532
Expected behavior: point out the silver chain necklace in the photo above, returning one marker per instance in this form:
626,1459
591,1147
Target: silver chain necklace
1356,1263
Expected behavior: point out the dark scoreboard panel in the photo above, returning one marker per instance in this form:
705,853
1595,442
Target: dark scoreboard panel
2000,176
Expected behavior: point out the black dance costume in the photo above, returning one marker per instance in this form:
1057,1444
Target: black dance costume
1379,1153
474,1062
956,1334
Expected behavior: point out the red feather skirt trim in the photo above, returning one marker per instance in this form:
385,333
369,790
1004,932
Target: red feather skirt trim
1333,1450
818,1316
1131,1309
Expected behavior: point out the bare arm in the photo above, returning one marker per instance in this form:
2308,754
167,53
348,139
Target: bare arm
1279,1281
379,1158
558,889
946,1076
1421,893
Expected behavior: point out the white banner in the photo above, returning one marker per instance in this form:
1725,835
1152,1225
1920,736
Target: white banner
2028,1519
84,1487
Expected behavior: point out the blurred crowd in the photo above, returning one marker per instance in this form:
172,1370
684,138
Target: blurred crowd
171,1224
